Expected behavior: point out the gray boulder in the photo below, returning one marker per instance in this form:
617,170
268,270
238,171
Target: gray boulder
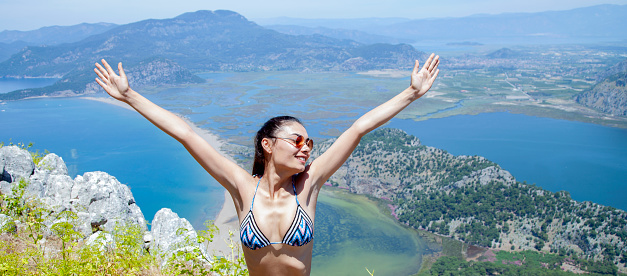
15,163
166,241
106,200
50,168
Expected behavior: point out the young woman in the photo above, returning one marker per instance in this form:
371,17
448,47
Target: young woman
276,205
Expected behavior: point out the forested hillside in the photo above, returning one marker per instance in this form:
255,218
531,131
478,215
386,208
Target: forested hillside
476,201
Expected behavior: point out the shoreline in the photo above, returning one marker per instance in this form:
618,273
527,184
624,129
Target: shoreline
226,220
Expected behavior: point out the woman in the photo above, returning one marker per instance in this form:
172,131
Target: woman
276,234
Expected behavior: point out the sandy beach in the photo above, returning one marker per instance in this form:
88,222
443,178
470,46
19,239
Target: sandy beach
226,220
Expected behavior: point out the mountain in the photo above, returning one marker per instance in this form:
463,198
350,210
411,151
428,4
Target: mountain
12,42
150,72
359,36
362,24
8,49
53,35
609,95
603,22
588,24
202,41
505,53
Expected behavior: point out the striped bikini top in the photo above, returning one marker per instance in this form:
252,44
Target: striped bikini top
299,233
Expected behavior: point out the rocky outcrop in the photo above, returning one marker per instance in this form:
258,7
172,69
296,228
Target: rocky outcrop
99,200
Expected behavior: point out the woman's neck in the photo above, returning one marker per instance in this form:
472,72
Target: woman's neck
273,182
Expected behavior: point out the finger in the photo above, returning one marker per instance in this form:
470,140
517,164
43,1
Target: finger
102,84
99,74
434,64
102,70
435,75
416,67
109,69
428,62
102,76
121,70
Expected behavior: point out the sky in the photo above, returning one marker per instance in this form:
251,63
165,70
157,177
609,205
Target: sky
26,15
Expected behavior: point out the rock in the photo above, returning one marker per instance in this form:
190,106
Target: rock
50,169
147,239
15,163
53,164
7,225
487,175
166,240
98,199
54,190
5,188
100,240
107,201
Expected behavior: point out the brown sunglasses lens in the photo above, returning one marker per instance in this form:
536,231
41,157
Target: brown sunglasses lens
300,142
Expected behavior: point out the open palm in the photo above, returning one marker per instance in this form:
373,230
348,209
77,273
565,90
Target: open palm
116,86
422,80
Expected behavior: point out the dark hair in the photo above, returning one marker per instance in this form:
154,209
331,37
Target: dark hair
268,130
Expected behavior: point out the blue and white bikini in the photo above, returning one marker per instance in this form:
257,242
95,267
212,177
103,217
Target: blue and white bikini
299,233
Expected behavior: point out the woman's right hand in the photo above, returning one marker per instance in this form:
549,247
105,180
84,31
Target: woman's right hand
116,86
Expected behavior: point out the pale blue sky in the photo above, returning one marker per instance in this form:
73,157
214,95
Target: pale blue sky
33,14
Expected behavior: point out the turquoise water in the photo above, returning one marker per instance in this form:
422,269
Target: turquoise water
93,136
587,160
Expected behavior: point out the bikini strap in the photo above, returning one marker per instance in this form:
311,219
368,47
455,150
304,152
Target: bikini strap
255,194
295,195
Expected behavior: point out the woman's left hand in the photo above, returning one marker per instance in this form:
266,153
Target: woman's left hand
421,80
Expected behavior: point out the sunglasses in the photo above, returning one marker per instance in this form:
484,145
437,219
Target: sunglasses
299,142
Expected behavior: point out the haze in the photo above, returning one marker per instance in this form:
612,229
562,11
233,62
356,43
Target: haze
33,14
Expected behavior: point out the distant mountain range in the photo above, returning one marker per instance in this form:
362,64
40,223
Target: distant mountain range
589,24
55,34
207,41
12,42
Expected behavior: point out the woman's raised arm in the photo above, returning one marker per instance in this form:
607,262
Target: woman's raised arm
222,169
421,81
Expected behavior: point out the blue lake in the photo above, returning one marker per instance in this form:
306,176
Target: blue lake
589,161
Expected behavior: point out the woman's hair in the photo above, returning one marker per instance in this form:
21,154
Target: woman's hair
268,130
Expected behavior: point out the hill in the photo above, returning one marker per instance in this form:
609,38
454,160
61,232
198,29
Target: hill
609,95
474,200
204,41
150,72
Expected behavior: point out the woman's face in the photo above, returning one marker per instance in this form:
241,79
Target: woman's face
285,154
